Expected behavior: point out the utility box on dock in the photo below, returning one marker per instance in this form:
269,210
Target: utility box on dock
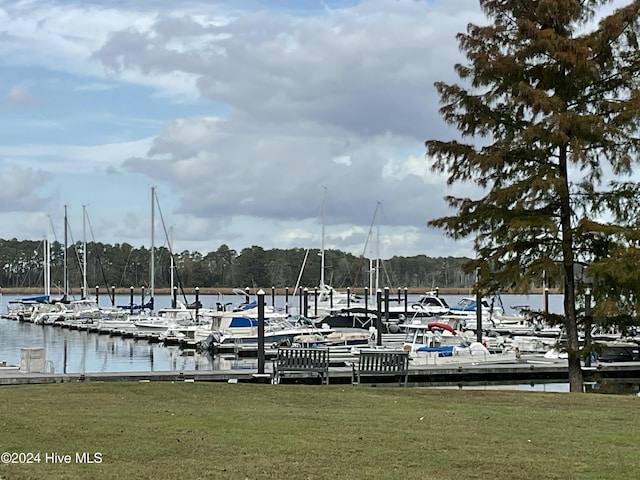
32,360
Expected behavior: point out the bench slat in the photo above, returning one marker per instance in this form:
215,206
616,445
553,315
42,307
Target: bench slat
381,363
292,359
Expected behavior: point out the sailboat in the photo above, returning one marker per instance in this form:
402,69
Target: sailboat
150,321
357,313
328,299
168,318
39,307
66,310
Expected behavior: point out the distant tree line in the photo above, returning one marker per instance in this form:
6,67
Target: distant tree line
123,266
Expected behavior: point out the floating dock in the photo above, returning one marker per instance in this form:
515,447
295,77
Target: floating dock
527,370
522,372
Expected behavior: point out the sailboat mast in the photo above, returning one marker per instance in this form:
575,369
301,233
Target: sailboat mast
85,288
47,268
322,244
374,269
65,267
172,264
377,255
153,264
47,260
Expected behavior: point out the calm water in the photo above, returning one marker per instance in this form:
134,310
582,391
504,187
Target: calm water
73,351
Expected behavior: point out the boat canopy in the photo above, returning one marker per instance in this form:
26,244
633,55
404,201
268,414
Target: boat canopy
146,306
36,299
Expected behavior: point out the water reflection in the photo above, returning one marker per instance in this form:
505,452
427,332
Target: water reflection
614,387
610,386
74,351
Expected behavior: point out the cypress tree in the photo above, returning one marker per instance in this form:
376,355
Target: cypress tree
548,116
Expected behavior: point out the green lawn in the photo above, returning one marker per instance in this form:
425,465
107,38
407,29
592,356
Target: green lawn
194,431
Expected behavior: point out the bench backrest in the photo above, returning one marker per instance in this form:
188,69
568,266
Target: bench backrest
302,358
383,362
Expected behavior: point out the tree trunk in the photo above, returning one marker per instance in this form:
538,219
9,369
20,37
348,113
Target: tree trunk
573,347
571,324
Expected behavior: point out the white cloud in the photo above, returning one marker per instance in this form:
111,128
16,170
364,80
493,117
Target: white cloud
74,159
283,105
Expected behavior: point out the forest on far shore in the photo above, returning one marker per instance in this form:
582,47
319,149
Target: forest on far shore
123,266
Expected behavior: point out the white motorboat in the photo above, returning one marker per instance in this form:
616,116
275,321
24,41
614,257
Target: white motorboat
326,300
437,343
232,328
466,310
360,315
430,305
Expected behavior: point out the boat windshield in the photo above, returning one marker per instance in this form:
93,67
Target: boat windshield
466,303
409,336
433,302
418,336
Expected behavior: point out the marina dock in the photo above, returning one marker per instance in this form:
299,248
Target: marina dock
241,367
523,372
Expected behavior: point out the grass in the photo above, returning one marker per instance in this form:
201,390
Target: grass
241,431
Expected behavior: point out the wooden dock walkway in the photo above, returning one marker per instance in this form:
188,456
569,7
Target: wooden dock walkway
419,376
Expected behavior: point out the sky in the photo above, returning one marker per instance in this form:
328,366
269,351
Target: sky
247,118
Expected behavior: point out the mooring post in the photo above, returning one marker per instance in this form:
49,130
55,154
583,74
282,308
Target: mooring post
300,309
366,304
587,327
98,294
131,298
305,294
113,295
174,298
478,308
315,301
286,299
545,293
546,300
273,296
386,305
379,317
406,302
197,302
260,332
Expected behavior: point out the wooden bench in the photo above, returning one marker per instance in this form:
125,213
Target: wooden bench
379,363
302,360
